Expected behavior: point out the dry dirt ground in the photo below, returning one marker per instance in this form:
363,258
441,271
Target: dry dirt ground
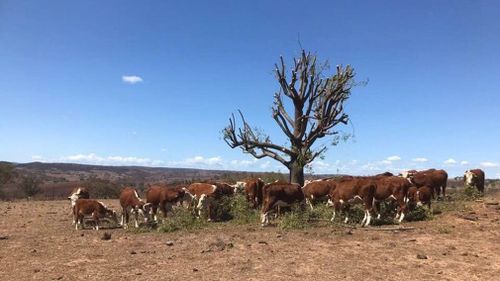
38,242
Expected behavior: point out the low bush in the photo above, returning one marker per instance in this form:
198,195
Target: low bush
296,218
181,219
471,193
241,211
419,214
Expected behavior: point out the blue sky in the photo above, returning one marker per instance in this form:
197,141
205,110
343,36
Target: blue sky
153,83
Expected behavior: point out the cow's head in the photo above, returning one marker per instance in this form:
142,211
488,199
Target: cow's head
75,196
239,187
409,175
187,198
112,215
469,177
143,210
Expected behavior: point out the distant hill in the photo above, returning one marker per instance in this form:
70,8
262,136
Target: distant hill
60,172
57,179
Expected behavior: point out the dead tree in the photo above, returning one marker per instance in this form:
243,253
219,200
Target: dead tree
318,107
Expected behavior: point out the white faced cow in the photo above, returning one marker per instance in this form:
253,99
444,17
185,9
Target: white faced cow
78,193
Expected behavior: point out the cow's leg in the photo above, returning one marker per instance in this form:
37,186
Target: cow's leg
438,192
163,209
364,219
345,209
125,217
368,210
209,211
153,212
336,208
74,215
201,205
77,222
264,217
95,218
376,208
308,202
136,218
368,217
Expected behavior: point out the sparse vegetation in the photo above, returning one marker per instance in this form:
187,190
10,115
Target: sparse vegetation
181,219
30,186
471,193
443,229
241,211
5,176
296,218
419,214
100,188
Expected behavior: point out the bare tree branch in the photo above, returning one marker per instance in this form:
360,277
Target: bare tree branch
318,107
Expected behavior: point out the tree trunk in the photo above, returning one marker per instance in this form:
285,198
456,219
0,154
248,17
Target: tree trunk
296,174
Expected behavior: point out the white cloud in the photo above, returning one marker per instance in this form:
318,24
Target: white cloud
200,160
420,159
386,162
265,165
450,161
464,163
37,158
393,158
93,158
131,79
489,164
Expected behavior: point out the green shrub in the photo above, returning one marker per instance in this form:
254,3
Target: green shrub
181,219
419,214
297,218
241,211
221,209
471,193
320,212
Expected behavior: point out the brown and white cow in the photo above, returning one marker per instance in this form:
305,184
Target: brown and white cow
78,193
393,189
420,196
352,190
435,179
253,191
278,194
474,178
165,198
93,208
130,201
317,189
203,195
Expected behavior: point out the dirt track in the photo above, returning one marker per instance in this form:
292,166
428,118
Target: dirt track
41,244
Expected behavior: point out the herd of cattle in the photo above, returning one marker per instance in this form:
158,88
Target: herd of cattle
403,192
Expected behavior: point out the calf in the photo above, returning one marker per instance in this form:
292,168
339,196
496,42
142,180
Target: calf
390,188
475,178
130,201
420,196
351,190
435,179
253,191
279,194
88,207
165,197
203,195
316,190
78,193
